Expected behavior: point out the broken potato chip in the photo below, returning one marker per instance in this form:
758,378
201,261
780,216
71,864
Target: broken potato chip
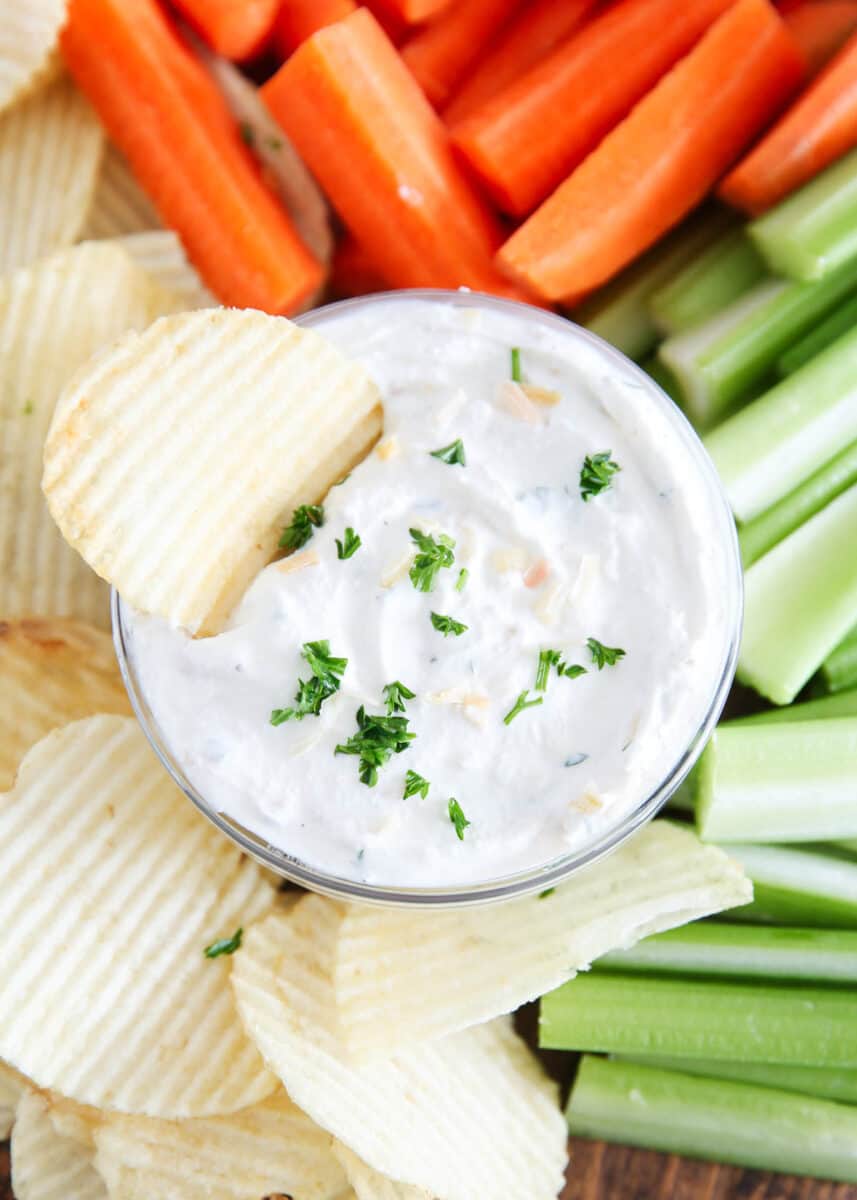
11,1087
29,35
119,205
47,1165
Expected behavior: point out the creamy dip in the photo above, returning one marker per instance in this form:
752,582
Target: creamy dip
645,566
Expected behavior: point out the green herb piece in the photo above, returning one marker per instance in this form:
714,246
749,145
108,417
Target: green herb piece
415,785
28,408
248,133
596,474
433,556
447,625
453,454
395,695
547,892
520,704
604,656
377,739
224,945
458,818
461,582
274,143
571,670
327,673
515,356
553,658
305,520
350,545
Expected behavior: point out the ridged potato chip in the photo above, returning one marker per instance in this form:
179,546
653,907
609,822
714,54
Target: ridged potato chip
119,205
369,1184
180,503
52,671
47,1165
29,33
113,885
161,255
402,977
53,317
11,1086
464,1117
50,147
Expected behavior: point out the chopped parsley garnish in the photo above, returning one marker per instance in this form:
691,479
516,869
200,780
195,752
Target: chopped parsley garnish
28,408
274,143
415,785
597,473
448,625
350,544
461,581
520,704
432,557
547,892
377,739
395,695
458,818
327,673
515,356
553,658
248,133
453,454
305,520
604,656
224,945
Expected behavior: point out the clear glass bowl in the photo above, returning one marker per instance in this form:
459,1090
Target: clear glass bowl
548,874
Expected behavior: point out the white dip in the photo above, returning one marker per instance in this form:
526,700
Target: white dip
645,566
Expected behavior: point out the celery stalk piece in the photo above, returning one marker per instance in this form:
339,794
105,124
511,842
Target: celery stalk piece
785,782
702,287
842,704
730,357
798,887
819,338
800,600
761,534
718,1119
783,437
662,376
814,231
750,951
702,1018
828,1083
839,669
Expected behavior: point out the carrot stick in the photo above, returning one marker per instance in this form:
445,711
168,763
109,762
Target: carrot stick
166,115
352,272
392,22
537,30
662,159
525,140
820,28
299,19
372,140
415,11
441,54
237,29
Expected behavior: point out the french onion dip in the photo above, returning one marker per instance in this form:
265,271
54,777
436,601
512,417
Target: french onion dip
495,638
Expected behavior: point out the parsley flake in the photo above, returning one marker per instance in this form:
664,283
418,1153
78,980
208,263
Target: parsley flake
248,133
461,581
604,656
520,704
28,408
448,625
432,557
327,673
350,545
395,695
547,892
305,521
515,356
415,785
274,143
457,817
377,739
553,658
453,454
224,945
597,473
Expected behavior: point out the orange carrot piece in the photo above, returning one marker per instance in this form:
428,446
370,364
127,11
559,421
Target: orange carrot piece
537,30
820,127
525,140
394,25
167,116
820,28
662,159
376,146
413,12
441,54
237,29
353,272
299,19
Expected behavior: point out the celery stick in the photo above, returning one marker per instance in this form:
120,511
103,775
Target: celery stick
662,376
839,669
829,1083
702,1018
797,887
761,534
813,231
717,1119
800,600
778,441
819,338
843,704
728,358
716,948
702,287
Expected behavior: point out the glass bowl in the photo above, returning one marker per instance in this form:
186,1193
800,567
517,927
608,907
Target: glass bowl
548,874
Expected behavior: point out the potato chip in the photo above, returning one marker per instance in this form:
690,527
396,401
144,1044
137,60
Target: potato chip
46,1165
180,504
53,671
369,1184
29,33
403,976
53,317
11,1086
161,255
464,1117
119,205
113,885
50,146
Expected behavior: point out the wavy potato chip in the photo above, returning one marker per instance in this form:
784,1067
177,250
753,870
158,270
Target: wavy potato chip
402,977
464,1117
50,147
29,34
53,317
161,255
369,1184
119,205
174,460
47,1165
11,1086
113,885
